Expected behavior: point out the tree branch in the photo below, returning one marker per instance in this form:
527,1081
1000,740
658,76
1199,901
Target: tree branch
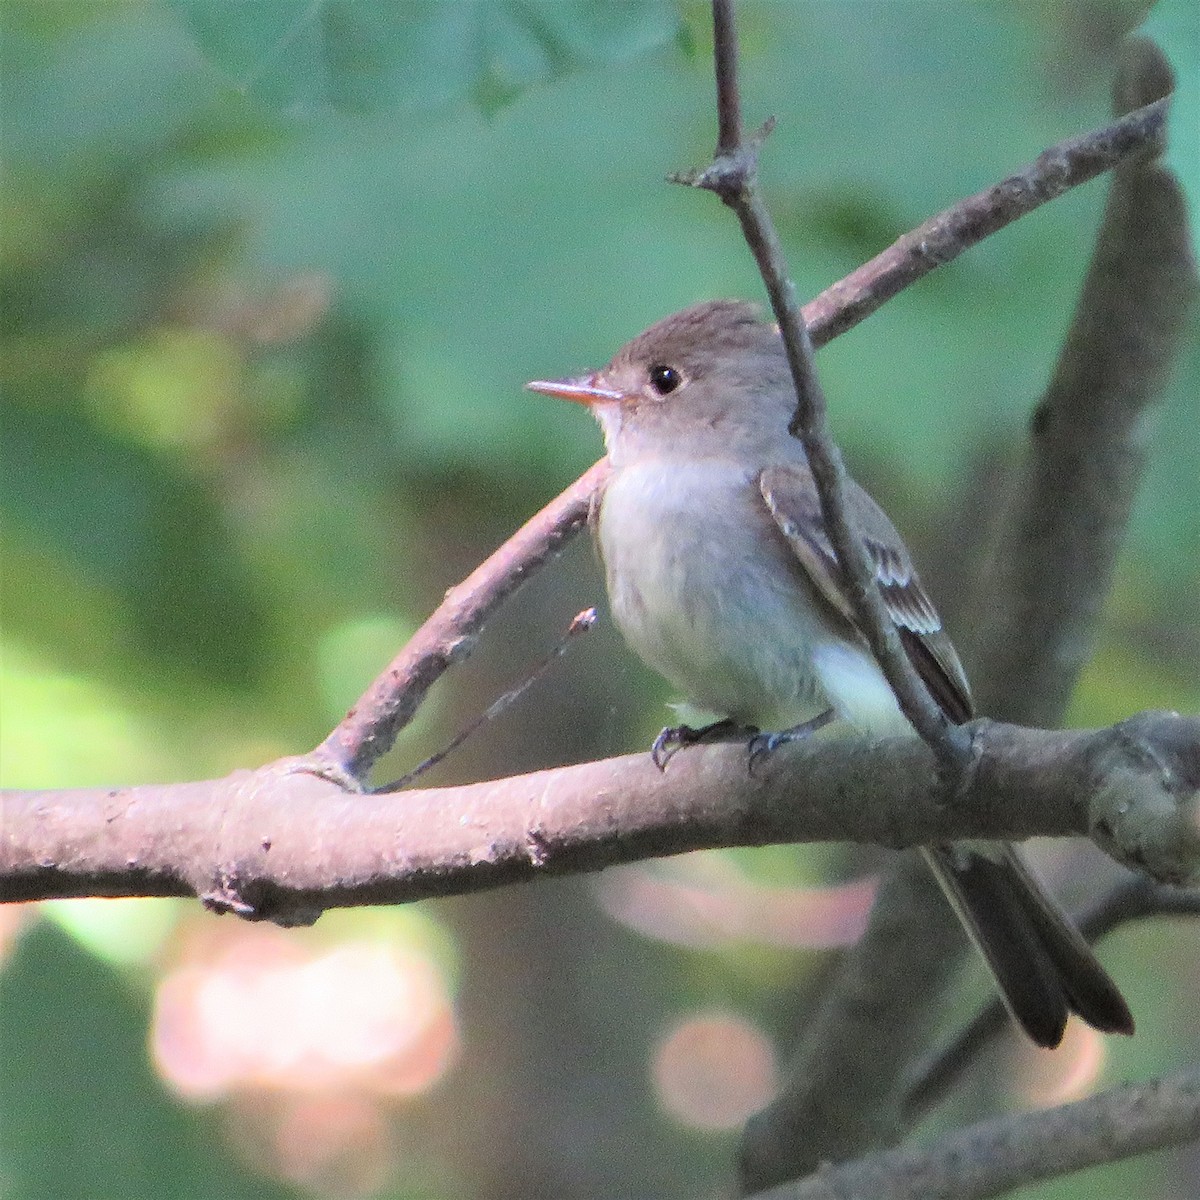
995,1156
369,729
863,1034
282,844
1070,500
944,237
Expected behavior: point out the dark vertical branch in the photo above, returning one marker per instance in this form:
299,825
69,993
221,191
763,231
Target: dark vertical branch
838,1098
1039,602
725,54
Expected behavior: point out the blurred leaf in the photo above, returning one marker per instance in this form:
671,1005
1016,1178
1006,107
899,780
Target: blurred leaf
65,728
124,933
84,1116
126,521
1118,680
54,110
310,55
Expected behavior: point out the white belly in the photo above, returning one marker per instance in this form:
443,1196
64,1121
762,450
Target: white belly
709,595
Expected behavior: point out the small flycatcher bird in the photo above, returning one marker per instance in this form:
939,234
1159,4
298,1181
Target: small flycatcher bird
722,578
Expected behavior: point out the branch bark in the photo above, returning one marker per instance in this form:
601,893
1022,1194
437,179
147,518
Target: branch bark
1051,572
282,844
369,729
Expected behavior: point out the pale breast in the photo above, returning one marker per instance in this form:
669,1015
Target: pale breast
705,591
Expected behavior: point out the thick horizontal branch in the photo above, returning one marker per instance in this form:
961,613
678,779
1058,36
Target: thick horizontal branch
995,1156
282,844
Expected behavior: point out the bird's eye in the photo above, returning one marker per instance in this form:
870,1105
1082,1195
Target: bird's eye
664,380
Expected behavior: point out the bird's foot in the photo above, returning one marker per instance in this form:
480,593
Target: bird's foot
763,745
675,737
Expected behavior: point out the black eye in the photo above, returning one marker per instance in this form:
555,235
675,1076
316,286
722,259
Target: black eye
664,380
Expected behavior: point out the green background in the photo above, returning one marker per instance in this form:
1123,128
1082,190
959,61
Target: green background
273,276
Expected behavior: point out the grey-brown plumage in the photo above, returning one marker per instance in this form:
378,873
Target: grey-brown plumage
722,578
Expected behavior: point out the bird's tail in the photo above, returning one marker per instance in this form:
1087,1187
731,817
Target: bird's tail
1042,965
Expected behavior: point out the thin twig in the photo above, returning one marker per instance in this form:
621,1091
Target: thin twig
729,109
995,1156
733,176
580,623
369,729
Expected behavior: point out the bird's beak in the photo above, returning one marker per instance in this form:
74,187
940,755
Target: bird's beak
583,390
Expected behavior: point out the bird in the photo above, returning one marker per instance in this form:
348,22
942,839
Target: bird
721,577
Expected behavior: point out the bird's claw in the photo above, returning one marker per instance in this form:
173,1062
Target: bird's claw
669,741
762,745
675,737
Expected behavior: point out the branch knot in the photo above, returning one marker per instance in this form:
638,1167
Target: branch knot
1146,812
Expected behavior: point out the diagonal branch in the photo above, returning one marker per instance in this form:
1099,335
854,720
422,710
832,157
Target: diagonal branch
1070,500
1056,552
944,237
369,729
993,1157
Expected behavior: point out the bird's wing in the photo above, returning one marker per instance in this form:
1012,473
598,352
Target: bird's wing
1043,968
792,501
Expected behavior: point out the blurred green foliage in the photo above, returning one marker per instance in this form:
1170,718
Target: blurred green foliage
273,274
85,1116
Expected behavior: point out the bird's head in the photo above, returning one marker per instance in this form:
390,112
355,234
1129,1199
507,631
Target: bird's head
696,383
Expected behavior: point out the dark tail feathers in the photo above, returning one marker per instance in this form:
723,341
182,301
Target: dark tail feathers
1042,965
